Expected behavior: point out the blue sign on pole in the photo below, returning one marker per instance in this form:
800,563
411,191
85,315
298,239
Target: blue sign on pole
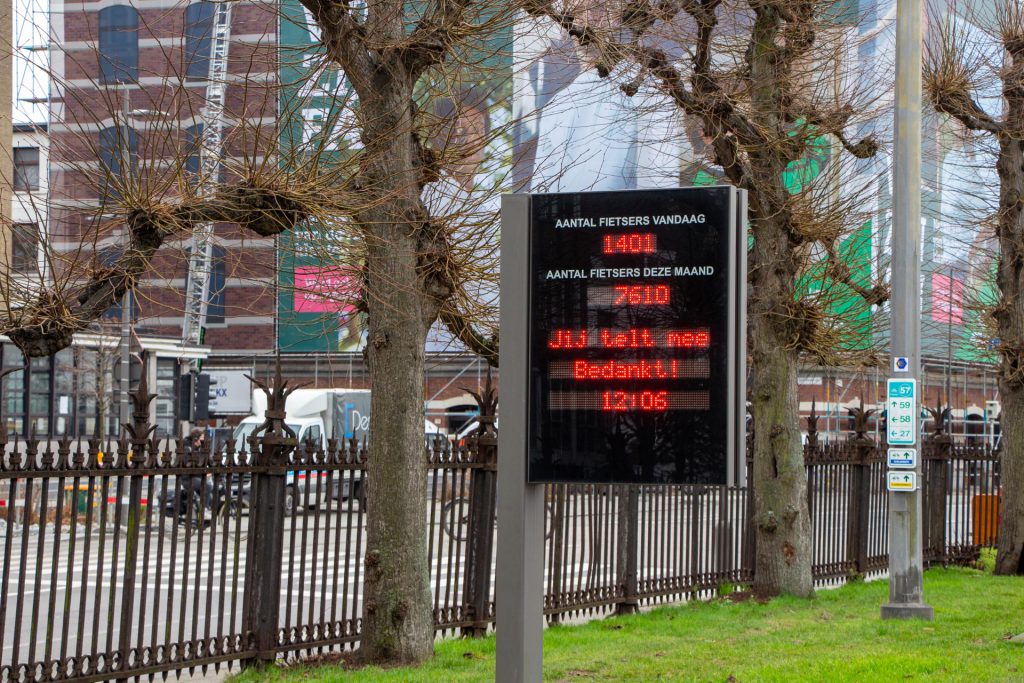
903,458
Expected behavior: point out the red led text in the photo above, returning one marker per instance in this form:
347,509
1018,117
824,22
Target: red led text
634,400
642,294
631,338
613,369
636,338
633,243
700,339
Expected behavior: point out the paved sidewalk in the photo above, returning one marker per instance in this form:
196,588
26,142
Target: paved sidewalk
210,676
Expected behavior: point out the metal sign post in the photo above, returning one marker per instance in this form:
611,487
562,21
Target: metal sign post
622,361
519,579
906,564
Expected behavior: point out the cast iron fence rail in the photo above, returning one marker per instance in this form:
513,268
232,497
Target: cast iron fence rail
141,558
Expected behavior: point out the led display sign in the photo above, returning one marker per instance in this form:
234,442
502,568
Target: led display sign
635,336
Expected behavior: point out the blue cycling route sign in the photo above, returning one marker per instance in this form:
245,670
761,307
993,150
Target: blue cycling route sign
901,412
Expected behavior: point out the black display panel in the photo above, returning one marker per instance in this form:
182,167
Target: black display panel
629,344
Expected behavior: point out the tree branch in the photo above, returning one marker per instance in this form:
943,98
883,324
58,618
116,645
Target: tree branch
838,271
707,99
48,324
345,40
948,82
963,108
434,37
463,330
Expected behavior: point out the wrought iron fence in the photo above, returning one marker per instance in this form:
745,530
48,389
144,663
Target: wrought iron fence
146,557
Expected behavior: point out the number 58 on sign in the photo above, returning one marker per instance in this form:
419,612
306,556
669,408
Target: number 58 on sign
901,412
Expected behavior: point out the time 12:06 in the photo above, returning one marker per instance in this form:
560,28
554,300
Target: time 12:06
634,400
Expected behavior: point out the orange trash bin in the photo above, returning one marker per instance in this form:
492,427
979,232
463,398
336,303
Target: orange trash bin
986,513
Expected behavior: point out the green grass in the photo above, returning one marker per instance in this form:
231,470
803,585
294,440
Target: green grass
838,636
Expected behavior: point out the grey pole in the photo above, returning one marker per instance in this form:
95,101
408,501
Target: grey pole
126,299
906,564
519,580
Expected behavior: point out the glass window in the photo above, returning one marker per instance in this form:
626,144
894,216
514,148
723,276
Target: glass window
95,386
114,162
64,375
218,278
39,395
312,434
198,37
26,169
25,248
193,142
14,390
88,372
119,44
218,285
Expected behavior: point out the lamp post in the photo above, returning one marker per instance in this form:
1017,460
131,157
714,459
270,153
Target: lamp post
906,565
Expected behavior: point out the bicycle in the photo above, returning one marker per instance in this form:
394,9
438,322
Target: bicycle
223,505
455,518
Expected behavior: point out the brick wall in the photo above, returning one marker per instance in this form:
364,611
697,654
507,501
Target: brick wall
89,106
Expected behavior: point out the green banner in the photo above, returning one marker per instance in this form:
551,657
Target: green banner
464,112
317,283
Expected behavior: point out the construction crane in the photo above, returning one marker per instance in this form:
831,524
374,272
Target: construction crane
200,260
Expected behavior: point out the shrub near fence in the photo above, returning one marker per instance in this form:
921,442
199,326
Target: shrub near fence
157,559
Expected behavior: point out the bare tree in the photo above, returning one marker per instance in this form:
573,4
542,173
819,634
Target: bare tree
759,84
969,51
422,249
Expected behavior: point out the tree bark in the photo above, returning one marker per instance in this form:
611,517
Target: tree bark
1009,317
1010,551
778,329
402,298
398,625
781,519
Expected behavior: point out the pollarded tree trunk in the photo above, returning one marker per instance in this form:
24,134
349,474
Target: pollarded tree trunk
759,119
1010,321
781,517
398,613
778,331
398,623
1010,553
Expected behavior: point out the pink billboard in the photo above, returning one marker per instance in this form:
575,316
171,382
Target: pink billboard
947,299
325,289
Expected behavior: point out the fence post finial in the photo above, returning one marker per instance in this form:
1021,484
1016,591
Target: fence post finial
140,429
812,425
860,420
276,438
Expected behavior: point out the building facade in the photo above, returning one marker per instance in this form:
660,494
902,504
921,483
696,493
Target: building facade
129,80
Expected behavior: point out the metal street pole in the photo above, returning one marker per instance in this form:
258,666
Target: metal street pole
906,564
126,300
519,580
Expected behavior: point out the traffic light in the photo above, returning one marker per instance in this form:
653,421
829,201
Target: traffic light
194,393
186,397
202,396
